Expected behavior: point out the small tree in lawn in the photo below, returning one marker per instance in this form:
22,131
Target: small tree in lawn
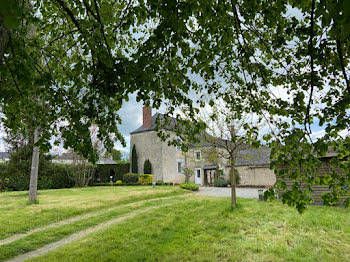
229,136
134,160
188,172
147,167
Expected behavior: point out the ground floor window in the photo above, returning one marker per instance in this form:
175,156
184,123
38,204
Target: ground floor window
179,167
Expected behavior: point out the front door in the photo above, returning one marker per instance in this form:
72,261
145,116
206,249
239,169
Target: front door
198,176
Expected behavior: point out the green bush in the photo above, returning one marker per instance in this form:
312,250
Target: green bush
4,184
60,176
51,176
130,178
145,179
221,182
189,186
159,183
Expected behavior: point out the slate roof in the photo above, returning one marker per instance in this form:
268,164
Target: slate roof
154,124
253,157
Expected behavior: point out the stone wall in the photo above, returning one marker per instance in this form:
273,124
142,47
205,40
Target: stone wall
163,158
171,156
148,146
254,175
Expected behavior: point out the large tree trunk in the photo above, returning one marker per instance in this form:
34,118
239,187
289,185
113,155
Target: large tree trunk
3,38
33,186
233,183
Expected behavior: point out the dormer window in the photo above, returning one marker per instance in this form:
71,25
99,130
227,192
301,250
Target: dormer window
197,155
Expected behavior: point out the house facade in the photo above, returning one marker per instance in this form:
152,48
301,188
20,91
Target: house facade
168,161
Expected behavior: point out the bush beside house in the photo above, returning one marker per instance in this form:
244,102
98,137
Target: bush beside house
221,183
189,186
145,179
130,178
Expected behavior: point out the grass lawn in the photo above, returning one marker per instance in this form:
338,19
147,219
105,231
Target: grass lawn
56,205
189,228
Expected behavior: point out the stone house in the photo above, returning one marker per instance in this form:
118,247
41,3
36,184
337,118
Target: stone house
168,161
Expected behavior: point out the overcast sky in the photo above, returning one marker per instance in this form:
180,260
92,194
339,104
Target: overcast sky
131,114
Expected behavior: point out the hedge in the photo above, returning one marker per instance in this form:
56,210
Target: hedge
103,172
145,179
54,176
221,183
189,186
130,178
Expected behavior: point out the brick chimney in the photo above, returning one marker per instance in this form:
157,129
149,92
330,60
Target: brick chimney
147,117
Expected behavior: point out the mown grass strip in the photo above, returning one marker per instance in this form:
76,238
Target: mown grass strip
70,220
23,219
206,229
42,238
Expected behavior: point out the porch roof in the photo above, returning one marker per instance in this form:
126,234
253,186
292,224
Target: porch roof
209,167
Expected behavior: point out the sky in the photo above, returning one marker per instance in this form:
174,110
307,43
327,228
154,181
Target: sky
131,114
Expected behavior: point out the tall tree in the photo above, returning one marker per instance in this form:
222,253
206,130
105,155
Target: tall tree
134,164
287,60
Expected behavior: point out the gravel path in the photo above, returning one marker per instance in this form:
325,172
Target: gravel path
226,192
81,234
73,219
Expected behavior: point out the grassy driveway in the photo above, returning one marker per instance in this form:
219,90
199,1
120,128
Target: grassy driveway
181,228
55,205
205,229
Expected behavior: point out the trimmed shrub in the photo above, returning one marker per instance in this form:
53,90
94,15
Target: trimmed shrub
221,182
159,183
145,179
119,182
134,160
189,186
147,167
130,178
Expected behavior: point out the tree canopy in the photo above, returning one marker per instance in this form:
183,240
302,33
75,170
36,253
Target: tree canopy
66,65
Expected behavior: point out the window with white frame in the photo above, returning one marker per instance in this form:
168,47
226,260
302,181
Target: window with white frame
197,155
